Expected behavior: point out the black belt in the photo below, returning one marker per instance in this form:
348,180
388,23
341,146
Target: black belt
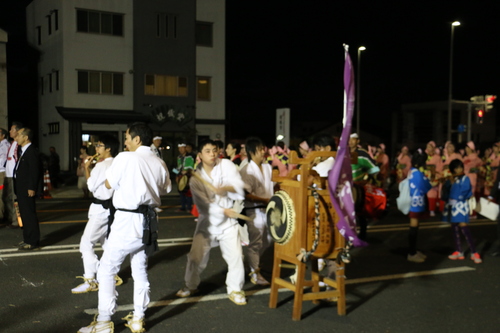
107,204
150,228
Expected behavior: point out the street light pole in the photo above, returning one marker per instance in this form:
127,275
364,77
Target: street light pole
453,25
361,48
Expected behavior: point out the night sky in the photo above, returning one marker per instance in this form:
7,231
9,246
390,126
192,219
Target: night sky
289,54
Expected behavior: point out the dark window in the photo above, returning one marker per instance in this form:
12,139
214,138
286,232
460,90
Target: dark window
83,82
106,23
166,26
118,25
41,86
50,82
117,84
56,19
82,21
99,22
106,83
204,34
39,35
158,25
54,128
174,29
56,73
49,24
94,24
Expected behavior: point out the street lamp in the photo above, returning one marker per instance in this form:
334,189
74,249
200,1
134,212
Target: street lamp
453,25
361,48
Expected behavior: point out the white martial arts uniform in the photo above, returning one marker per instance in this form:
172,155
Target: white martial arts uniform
214,228
138,178
260,184
97,225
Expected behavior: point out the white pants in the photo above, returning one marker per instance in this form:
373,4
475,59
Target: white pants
116,249
258,235
95,232
230,246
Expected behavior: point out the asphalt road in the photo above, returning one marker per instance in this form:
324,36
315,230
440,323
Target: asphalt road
385,293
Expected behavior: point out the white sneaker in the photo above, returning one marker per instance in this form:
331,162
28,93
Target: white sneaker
88,285
415,258
238,297
135,323
98,327
118,280
321,264
420,254
186,292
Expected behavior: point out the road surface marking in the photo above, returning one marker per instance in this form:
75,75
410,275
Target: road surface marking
267,291
74,248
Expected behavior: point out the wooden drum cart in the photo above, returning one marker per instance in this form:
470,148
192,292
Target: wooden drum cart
292,222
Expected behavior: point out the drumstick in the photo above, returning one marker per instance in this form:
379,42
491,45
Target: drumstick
200,178
244,217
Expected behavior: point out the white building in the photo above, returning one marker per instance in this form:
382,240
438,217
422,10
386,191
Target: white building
105,64
3,79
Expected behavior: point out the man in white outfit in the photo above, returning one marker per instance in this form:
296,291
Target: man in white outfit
215,187
96,229
259,188
138,178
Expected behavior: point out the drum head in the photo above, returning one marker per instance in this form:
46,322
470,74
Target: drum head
183,181
280,217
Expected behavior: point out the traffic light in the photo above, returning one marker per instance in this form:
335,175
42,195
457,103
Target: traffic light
489,101
480,115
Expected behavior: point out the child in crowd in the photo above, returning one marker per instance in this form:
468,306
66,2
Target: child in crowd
459,190
419,186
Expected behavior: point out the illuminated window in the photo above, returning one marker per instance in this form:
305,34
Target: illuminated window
165,85
203,88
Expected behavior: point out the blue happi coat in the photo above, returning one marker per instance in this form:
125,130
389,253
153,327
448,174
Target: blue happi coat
419,186
457,207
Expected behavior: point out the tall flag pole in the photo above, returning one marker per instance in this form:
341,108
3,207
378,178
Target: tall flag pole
340,177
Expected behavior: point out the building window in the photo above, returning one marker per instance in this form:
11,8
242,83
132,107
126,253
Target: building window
49,24
41,86
56,74
54,128
174,28
204,34
94,82
99,22
158,25
56,19
166,85
39,35
50,82
166,26
203,88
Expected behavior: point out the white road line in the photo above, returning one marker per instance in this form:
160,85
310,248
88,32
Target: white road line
74,248
208,298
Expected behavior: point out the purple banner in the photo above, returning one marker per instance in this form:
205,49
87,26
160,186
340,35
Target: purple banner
340,177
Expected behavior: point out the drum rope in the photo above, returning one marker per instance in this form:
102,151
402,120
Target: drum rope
304,255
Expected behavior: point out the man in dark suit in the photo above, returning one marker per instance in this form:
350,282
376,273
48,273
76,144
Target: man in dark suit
26,178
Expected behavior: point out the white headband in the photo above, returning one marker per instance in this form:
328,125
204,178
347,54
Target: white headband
157,138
